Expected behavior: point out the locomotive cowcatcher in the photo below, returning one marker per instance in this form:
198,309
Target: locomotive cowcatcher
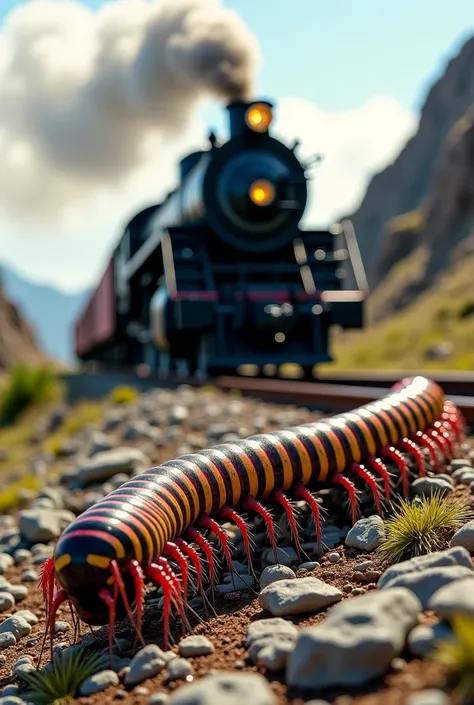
220,274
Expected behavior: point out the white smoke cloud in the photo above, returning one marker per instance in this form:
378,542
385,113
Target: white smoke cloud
97,108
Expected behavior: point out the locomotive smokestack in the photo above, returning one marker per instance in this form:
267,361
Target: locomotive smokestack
95,86
238,110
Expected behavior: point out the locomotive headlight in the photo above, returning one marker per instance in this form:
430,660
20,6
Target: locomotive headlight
262,193
259,117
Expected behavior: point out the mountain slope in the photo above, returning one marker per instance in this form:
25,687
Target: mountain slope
50,311
17,340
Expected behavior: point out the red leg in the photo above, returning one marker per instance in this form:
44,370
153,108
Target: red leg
438,426
228,514
139,581
410,447
365,475
196,561
158,576
193,535
378,466
440,442
339,479
121,588
301,492
176,590
111,601
279,497
427,443
205,522
251,505
395,455
172,550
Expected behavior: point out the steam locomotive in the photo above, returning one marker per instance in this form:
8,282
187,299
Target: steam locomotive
219,274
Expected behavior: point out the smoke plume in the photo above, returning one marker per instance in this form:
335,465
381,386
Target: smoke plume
82,93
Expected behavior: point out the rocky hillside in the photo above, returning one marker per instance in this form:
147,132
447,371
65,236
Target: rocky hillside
17,341
430,183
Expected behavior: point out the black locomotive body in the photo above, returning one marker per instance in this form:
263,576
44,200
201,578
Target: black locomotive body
220,274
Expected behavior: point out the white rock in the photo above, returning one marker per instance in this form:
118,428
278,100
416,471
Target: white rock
289,597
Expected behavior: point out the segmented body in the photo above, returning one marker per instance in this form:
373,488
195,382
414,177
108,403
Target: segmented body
106,555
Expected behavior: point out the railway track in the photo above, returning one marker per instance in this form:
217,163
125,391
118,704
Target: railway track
329,396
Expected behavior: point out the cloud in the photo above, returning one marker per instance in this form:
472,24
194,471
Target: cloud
97,108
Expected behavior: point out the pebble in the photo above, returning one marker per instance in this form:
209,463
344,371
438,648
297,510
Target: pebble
365,565
460,463
159,699
428,697
424,575
366,534
99,681
195,645
227,688
6,561
275,626
298,596
148,662
334,557
455,597
364,633
309,565
17,625
178,669
272,573
43,524
423,638
7,639
7,601
286,556
464,537
427,486
11,700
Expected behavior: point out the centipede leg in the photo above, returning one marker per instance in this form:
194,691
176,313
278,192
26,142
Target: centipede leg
159,577
378,466
251,505
280,498
339,479
138,579
111,602
172,550
425,441
115,570
301,492
410,447
196,561
228,514
365,475
397,457
59,598
176,593
205,522
193,535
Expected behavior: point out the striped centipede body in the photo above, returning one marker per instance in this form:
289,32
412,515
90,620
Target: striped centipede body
157,519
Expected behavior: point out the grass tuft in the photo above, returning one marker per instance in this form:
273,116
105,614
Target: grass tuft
123,395
457,657
418,529
59,681
25,386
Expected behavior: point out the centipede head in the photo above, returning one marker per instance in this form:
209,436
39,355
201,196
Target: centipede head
82,564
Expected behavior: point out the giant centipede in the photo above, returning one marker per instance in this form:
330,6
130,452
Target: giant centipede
156,520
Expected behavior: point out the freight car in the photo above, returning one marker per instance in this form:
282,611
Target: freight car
220,274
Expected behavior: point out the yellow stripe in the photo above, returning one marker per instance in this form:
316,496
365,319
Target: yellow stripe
319,449
62,562
267,467
352,440
233,475
98,561
288,472
249,467
336,444
306,465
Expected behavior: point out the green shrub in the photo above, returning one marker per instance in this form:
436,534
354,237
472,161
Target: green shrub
457,656
419,528
25,387
123,395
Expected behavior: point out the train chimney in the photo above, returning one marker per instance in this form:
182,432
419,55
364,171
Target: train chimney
238,116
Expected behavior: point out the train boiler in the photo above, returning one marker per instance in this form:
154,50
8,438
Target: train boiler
220,274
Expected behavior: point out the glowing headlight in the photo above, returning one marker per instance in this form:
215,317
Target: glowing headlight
262,193
259,117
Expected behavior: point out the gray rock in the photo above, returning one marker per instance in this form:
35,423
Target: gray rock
19,592
334,557
7,601
195,645
43,524
6,562
274,654
159,699
426,486
464,537
11,700
98,682
365,565
289,597
425,575
226,689
276,626
7,639
428,697
285,556
178,669
272,573
457,596
366,534
18,626
423,638
27,616
356,642
460,464
105,465
148,662
464,476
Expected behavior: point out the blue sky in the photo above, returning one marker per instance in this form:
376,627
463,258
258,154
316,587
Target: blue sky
335,55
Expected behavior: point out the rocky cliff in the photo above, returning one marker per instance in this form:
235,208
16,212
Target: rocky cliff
429,184
17,340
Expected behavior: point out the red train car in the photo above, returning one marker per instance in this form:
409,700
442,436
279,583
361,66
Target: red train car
97,323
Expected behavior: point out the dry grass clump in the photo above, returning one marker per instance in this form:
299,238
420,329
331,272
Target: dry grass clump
124,394
420,528
457,656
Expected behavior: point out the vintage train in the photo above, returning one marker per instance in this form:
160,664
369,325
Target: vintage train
220,274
